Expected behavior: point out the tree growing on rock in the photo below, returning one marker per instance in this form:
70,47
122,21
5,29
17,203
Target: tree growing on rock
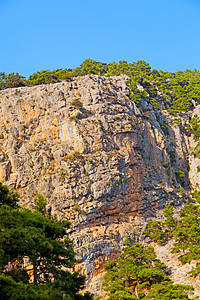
138,274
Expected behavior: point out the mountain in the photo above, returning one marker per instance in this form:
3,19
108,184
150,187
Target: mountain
103,161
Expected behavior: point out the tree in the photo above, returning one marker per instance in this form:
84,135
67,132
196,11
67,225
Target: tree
195,127
13,80
138,274
159,231
170,222
2,80
10,198
44,241
187,234
185,231
155,230
166,290
42,77
40,204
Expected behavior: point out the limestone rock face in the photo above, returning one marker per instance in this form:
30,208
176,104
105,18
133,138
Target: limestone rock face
100,161
194,159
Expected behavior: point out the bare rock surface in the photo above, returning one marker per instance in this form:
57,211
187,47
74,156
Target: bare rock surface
101,162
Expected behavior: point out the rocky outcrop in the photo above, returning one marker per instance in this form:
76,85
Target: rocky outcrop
194,160
100,161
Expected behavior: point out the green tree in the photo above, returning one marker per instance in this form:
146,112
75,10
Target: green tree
13,80
40,204
159,231
195,126
185,230
187,234
155,230
170,222
166,290
178,89
42,77
138,274
45,242
8,197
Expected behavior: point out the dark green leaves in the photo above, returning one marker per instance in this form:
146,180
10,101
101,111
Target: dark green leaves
43,241
8,197
139,275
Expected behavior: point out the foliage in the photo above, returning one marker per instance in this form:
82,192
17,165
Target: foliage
11,80
185,231
196,195
42,77
165,127
40,204
127,241
77,208
159,231
178,90
172,155
77,103
195,130
138,274
8,197
166,290
170,222
187,234
155,231
45,242
180,176
195,127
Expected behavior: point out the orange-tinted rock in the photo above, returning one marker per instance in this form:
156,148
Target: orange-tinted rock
103,166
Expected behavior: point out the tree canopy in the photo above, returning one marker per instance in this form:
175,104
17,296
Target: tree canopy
138,274
43,242
185,230
178,90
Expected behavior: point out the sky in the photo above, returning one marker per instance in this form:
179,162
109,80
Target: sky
47,35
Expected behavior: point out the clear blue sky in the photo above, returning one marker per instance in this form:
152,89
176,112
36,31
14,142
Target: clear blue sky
46,34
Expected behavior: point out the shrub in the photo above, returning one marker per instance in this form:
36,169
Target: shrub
180,176
77,103
165,127
77,208
172,155
196,195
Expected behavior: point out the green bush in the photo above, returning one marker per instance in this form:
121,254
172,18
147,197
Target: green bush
165,127
138,274
172,155
77,208
180,176
77,103
195,127
196,195
44,240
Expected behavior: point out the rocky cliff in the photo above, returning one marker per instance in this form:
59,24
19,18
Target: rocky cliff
101,162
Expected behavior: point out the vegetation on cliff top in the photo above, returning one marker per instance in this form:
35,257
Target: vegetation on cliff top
178,90
43,241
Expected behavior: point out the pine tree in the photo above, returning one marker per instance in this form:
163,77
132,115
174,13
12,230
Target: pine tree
138,274
44,241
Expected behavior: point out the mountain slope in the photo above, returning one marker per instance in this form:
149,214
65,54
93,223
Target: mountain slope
102,162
